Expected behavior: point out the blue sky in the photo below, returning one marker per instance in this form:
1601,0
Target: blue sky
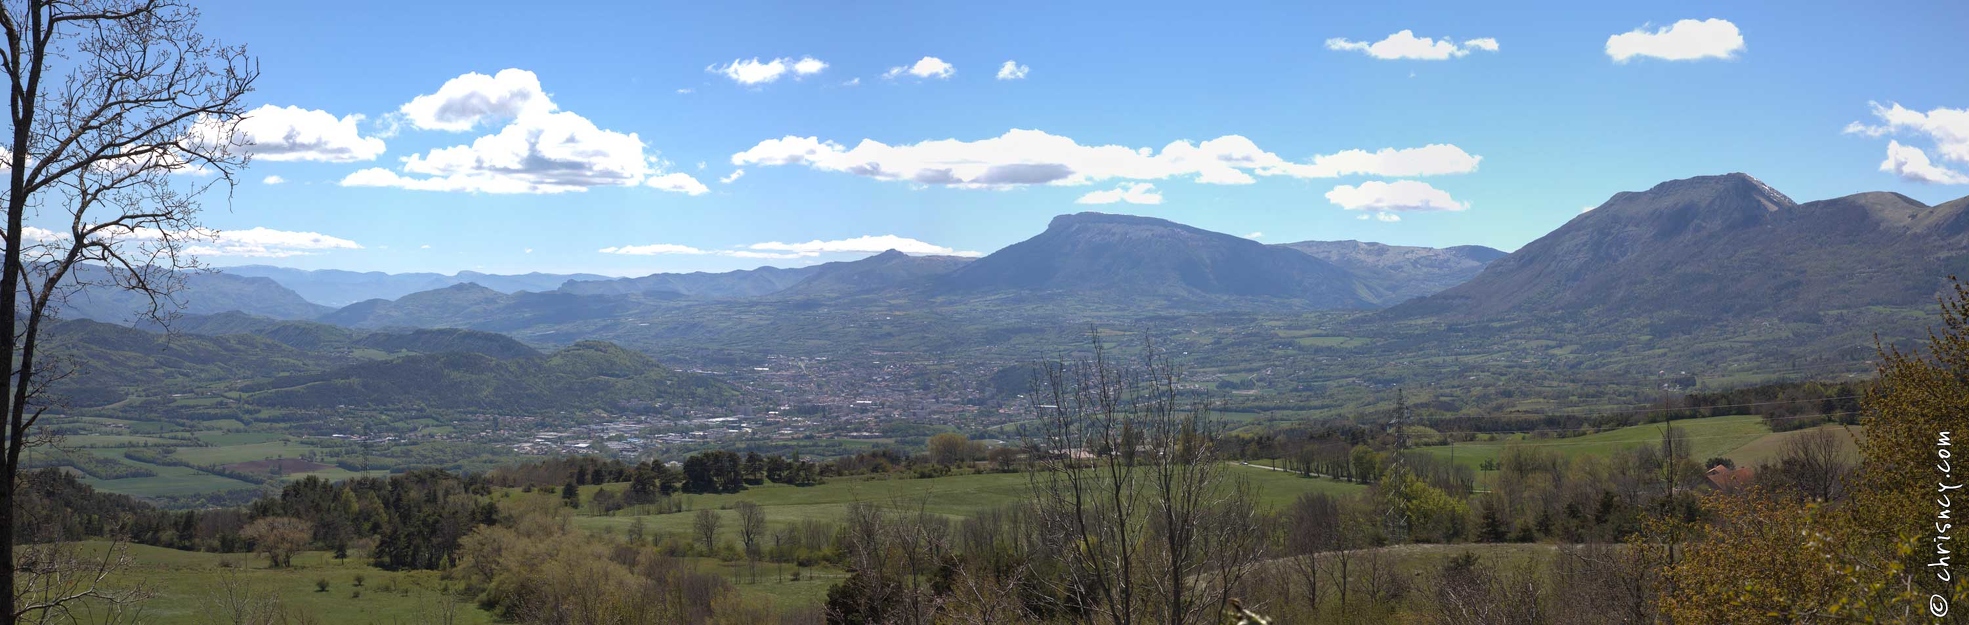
1528,119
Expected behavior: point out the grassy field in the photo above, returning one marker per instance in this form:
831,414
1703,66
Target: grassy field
955,496
1767,448
1708,438
186,583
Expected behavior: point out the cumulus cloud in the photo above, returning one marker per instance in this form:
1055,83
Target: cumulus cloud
1405,45
926,67
540,150
1912,165
473,99
1947,127
735,175
753,71
1384,199
1130,192
1012,70
779,250
1685,40
808,66
272,180
1029,157
292,133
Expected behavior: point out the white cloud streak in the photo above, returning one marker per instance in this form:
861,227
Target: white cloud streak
1032,157
779,250
1405,45
1130,192
1386,198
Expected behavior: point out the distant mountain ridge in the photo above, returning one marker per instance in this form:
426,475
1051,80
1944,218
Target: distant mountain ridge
1145,256
1720,248
202,293
1396,273
335,287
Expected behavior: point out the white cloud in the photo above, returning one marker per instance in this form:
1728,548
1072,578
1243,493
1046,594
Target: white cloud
474,99
735,175
653,249
1912,165
1130,192
1685,40
269,243
753,71
678,183
1405,45
686,90
1386,216
1255,235
778,250
1012,70
1389,197
272,180
926,67
252,242
292,133
542,149
852,82
1585,209
1027,157
527,251
1947,127
865,244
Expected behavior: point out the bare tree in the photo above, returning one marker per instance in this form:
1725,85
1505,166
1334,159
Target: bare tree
751,528
706,524
110,101
1814,464
1131,492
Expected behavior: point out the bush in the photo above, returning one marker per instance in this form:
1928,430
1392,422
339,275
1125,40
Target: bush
321,585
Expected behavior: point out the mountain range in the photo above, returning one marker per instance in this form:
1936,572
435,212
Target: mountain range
337,288
1719,248
1704,252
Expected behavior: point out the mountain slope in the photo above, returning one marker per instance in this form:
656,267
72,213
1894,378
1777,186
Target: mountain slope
888,270
1720,248
1144,256
1398,273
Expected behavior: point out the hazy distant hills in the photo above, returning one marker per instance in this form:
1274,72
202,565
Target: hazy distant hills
301,364
887,270
333,287
477,307
1396,273
1714,249
203,293
729,284
1095,253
